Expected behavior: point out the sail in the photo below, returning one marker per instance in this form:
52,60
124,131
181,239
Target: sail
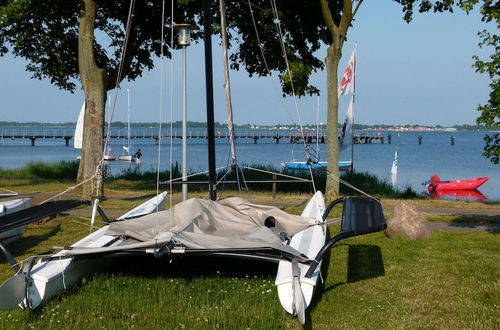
229,106
78,139
347,131
394,169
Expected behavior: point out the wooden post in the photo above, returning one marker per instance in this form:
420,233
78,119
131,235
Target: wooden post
274,186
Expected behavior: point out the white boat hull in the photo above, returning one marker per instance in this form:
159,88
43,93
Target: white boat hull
8,207
109,157
308,242
49,278
128,158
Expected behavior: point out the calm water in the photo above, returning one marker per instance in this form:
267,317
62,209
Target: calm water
416,162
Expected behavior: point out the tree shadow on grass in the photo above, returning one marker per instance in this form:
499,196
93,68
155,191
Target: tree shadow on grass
487,223
363,262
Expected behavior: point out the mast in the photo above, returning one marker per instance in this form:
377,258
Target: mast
229,105
128,121
353,99
207,36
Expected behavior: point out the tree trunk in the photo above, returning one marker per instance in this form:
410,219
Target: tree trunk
332,63
94,81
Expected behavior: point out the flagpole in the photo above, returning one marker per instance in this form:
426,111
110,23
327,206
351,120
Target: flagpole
353,102
352,144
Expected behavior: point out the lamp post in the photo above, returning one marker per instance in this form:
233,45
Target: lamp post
184,40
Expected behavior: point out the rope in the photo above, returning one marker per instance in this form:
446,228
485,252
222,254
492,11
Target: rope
7,190
69,189
347,184
283,49
120,72
191,175
270,172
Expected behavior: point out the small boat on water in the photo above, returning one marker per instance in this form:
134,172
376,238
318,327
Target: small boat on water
109,157
471,194
295,165
469,184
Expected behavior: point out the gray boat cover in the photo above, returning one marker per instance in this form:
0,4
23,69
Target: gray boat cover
204,224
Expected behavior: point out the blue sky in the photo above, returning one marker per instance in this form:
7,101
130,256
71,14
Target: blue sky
417,73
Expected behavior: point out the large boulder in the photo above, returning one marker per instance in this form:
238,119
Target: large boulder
408,222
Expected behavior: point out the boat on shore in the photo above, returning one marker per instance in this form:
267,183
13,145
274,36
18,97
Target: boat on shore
436,184
8,207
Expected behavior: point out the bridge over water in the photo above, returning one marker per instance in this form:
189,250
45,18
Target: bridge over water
255,135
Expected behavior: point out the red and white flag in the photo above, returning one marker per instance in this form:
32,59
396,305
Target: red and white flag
346,84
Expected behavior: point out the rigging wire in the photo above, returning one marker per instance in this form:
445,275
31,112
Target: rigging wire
283,49
100,168
158,160
273,81
277,22
171,101
120,73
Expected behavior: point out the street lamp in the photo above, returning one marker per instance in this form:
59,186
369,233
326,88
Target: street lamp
184,40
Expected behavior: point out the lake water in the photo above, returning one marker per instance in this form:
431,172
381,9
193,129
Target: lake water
417,162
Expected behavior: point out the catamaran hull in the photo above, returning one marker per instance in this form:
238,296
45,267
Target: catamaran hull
12,235
295,291
8,207
48,278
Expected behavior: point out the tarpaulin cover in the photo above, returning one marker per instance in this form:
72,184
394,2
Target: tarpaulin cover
228,223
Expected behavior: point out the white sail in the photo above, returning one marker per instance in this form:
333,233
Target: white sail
227,85
78,138
347,129
394,169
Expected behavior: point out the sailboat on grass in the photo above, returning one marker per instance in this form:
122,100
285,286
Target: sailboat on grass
230,228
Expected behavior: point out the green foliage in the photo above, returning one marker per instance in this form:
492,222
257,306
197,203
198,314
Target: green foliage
364,181
259,49
490,112
373,185
296,81
55,171
46,34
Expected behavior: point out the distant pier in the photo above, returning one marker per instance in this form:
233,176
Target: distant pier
252,135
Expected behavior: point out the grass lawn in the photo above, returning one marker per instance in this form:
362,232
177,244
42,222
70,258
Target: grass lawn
450,281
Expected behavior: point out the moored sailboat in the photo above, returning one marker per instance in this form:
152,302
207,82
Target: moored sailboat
127,156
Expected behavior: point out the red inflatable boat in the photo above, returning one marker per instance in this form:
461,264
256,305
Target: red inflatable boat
472,194
437,185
